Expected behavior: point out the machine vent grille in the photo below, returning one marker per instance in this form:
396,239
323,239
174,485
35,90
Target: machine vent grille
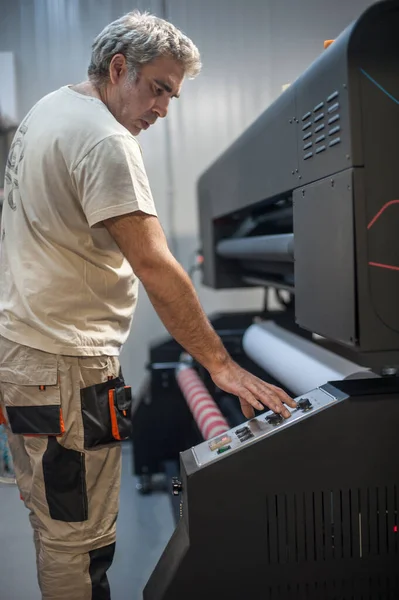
331,525
381,588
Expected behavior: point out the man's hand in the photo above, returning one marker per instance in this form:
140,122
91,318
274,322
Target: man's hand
251,391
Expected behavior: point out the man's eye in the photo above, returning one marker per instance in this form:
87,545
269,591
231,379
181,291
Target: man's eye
158,91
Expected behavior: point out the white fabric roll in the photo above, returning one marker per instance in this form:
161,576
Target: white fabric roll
298,364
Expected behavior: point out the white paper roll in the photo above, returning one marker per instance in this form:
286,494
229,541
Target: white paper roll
299,364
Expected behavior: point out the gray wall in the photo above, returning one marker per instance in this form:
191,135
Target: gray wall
250,49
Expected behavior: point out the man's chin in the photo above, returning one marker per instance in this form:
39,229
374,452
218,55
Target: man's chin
135,131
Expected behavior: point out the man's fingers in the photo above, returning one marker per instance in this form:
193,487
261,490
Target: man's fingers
249,398
281,395
268,395
286,413
278,398
284,397
247,409
269,398
255,393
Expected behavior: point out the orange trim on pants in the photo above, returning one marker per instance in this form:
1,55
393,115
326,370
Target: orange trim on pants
2,418
114,422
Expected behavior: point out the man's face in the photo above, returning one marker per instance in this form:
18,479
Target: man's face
137,105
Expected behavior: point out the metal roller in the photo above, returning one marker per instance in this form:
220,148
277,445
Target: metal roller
269,248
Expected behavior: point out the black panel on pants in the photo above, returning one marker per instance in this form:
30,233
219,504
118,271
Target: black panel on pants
100,562
36,420
65,482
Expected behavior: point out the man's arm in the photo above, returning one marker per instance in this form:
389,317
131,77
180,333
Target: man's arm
142,241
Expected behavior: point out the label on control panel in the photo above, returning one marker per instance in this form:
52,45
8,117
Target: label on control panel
219,442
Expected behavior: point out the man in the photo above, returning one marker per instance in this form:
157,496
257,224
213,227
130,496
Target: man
79,230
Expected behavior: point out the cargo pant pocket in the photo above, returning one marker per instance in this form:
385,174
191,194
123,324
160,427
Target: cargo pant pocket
32,399
106,412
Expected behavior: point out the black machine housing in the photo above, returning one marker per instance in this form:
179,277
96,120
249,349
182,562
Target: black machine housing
309,513
320,164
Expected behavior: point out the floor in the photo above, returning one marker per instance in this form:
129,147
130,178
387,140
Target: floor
145,525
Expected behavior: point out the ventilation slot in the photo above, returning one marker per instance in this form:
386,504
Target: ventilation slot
331,525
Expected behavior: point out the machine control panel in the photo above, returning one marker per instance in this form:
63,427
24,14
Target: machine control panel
266,424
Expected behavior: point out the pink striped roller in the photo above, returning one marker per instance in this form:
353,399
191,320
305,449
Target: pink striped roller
207,415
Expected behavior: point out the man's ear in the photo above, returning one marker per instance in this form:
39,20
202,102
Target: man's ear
117,68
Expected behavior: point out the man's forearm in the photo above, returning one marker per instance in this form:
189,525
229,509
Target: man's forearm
142,241
176,302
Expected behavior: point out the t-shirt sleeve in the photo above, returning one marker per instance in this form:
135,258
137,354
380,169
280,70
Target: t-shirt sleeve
111,180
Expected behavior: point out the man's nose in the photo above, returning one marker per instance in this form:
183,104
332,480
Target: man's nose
161,107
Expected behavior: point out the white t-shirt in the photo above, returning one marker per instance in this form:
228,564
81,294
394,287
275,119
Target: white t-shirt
65,286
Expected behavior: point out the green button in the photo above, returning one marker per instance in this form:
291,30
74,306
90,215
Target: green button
224,449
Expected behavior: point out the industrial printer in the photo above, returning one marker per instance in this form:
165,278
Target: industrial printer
306,201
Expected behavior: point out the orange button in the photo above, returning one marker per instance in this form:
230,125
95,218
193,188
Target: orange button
328,43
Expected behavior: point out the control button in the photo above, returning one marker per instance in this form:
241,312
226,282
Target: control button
334,130
177,486
333,119
308,155
308,114
308,135
243,430
275,419
320,138
223,449
243,435
320,149
308,124
318,107
333,108
308,145
335,141
304,404
319,117
319,128
219,442
246,437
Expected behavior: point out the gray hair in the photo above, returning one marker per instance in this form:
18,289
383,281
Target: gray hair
141,38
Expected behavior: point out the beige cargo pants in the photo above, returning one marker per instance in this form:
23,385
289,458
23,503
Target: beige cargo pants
64,415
